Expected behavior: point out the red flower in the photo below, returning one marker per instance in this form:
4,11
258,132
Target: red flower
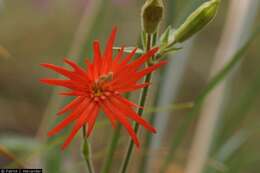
101,87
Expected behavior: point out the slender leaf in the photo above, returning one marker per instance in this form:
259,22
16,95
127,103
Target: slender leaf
182,130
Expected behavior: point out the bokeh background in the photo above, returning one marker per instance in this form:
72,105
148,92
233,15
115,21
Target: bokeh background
222,137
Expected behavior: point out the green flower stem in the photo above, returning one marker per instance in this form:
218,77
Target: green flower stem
146,145
86,152
142,101
111,149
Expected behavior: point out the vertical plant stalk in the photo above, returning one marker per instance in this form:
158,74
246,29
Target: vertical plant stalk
140,111
86,152
111,150
211,110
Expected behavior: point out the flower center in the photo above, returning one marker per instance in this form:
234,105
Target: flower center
99,86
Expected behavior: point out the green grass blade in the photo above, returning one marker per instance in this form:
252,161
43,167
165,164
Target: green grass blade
180,134
227,150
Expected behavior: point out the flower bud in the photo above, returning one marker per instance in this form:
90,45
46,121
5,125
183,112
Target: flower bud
197,20
151,15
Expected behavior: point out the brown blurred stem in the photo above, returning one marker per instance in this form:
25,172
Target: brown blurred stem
10,156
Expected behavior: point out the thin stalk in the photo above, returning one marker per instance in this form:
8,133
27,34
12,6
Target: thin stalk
140,111
111,149
86,152
143,162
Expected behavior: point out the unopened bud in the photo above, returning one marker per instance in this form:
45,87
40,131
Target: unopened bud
197,20
152,13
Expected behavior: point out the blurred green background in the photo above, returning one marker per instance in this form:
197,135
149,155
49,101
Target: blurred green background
38,31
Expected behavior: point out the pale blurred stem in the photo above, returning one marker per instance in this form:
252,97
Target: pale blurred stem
234,34
140,111
86,152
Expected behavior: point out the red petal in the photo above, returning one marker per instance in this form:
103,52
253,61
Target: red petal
97,58
75,66
110,42
110,115
91,121
69,119
122,66
129,112
129,57
73,93
132,88
64,83
121,79
82,120
123,121
141,60
108,52
127,102
150,69
116,64
71,105
119,55
60,70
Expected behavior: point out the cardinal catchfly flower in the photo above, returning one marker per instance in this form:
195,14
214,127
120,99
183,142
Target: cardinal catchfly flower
100,87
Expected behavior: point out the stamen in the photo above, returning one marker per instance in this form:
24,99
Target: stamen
103,97
107,93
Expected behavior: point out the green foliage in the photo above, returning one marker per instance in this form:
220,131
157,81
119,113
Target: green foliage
183,127
19,144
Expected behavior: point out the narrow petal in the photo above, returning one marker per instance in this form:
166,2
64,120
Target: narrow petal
132,88
69,118
130,113
141,60
150,69
92,120
136,76
60,70
128,57
109,46
75,66
133,67
110,115
64,83
119,55
123,121
97,58
122,66
71,105
127,102
73,93
108,53
117,59
79,123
